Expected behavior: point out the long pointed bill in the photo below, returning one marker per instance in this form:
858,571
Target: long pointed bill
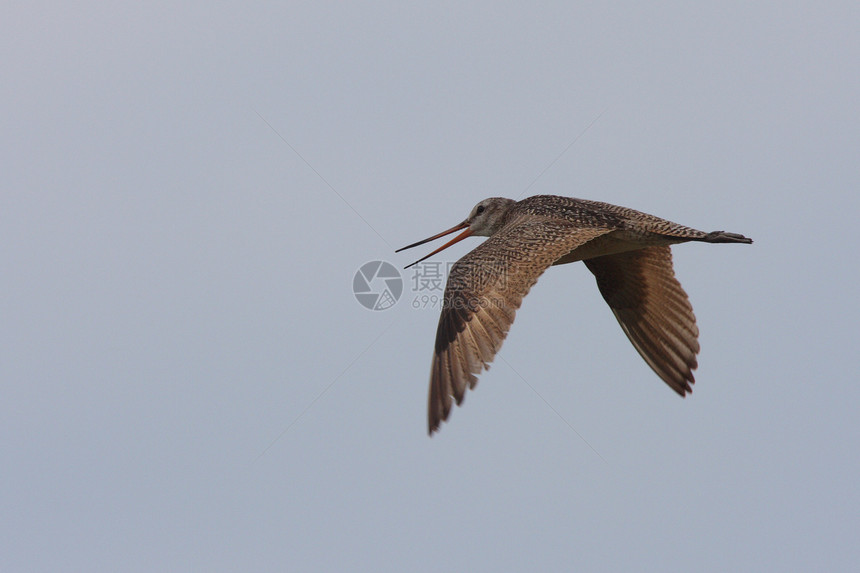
456,239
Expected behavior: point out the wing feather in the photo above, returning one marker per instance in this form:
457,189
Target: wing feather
485,288
653,310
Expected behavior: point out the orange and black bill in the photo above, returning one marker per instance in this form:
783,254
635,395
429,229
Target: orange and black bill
458,238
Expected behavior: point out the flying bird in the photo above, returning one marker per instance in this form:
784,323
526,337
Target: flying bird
626,250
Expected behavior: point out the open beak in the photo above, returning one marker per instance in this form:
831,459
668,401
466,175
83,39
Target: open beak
457,239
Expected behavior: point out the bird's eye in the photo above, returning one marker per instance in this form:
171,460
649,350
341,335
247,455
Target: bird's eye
479,210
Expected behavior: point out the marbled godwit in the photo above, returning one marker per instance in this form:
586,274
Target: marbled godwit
628,252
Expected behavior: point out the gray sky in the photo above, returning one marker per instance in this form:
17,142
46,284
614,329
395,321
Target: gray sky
176,287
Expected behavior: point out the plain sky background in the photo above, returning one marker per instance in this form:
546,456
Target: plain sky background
175,286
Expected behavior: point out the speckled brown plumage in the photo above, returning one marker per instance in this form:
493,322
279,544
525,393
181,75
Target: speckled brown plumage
626,250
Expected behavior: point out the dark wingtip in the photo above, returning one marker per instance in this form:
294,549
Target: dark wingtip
433,427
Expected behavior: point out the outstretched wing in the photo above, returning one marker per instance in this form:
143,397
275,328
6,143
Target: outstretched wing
484,291
653,310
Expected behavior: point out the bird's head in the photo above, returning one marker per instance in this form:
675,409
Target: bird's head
488,216
485,219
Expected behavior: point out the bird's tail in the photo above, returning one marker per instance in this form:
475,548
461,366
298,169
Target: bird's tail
724,237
